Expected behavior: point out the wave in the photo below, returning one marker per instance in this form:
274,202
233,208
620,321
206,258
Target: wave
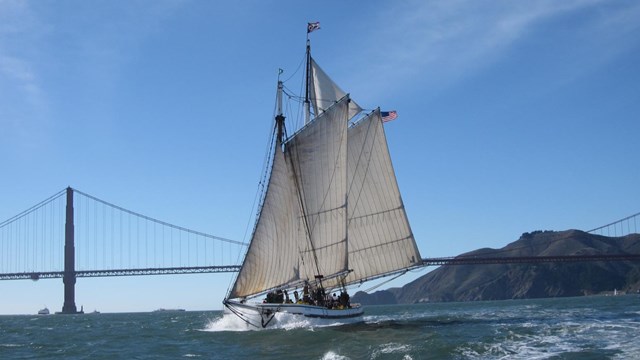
553,337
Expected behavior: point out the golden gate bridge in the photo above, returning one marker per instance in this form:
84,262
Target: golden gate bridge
72,234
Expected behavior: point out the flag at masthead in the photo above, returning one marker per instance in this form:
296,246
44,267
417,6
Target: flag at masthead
312,26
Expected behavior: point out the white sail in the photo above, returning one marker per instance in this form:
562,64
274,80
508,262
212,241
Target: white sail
380,238
272,258
332,212
332,205
318,155
325,92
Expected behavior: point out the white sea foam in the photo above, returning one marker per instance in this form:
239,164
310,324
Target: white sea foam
231,322
551,339
290,321
330,355
529,347
392,348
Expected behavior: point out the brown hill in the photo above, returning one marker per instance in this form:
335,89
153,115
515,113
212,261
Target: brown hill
521,281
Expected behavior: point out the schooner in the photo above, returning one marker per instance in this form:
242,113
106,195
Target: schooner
331,216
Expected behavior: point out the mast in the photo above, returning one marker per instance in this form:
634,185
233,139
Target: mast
279,116
307,117
307,104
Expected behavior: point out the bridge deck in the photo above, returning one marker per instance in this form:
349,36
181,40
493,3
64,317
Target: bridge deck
236,268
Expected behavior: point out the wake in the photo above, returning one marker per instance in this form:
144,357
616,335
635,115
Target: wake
282,321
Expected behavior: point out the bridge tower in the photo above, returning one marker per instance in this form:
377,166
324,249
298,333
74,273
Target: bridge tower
69,277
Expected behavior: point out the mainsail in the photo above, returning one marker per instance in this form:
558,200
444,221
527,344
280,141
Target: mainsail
332,209
318,156
302,228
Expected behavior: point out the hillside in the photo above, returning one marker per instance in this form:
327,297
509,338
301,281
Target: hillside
521,281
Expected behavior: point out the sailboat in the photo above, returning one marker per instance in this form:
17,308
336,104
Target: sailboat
331,217
43,311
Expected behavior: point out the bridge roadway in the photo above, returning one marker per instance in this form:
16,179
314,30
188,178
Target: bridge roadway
122,272
461,260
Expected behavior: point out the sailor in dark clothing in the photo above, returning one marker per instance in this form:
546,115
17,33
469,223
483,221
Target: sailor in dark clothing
344,299
305,293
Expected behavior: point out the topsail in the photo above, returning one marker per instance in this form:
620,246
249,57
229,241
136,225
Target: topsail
325,92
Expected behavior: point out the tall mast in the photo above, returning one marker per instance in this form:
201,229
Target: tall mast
279,115
307,104
307,116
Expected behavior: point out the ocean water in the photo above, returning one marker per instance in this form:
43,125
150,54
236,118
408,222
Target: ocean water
597,327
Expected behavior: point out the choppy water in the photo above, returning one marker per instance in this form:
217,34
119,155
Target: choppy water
569,328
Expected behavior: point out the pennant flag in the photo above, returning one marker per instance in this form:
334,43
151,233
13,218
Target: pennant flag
313,26
388,115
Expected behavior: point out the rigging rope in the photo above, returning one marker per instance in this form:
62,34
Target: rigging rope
384,282
240,314
260,192
298,68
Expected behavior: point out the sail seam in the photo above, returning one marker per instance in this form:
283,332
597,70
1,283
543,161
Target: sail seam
383,244
377,213
326,211
327,246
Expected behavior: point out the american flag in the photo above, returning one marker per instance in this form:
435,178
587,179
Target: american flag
313,26
388,115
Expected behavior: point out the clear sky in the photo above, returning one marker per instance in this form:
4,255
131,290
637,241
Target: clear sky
514,116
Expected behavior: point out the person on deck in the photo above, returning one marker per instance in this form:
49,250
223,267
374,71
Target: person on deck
344,299
305,293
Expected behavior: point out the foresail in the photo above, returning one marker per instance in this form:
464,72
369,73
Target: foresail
318,155
272,257
325,92
380,238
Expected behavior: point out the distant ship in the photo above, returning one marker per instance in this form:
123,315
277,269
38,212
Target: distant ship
44,311
168,310
331,215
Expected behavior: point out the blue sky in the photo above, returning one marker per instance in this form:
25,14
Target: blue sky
513,116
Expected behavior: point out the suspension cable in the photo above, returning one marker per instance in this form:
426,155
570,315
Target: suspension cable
160,222
33,208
